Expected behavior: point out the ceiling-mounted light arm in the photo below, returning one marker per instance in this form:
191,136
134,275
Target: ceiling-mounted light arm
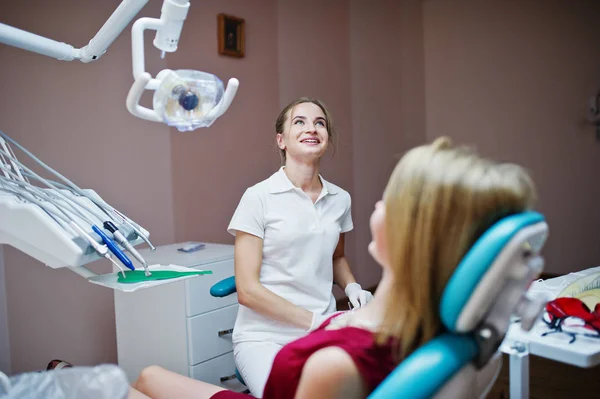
107,34
29,41
184,99
111,29
135,94
137,49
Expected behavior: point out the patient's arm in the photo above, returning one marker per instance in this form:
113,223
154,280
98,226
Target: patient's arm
330,373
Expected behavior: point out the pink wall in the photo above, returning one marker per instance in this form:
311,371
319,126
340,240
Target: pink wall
283,62
387,105
73,116
212,168
314,61
513,79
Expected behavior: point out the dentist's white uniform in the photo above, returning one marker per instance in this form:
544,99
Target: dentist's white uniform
299,239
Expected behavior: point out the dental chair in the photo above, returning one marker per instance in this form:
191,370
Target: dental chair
485,290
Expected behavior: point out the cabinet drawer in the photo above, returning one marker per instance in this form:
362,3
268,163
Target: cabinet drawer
204,341
218,371
198,298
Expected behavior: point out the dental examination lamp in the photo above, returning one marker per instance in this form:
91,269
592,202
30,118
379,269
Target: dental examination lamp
185,99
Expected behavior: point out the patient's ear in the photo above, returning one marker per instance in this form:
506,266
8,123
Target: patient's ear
330,373
378,247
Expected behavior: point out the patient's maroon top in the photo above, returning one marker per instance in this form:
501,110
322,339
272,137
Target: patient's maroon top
374,362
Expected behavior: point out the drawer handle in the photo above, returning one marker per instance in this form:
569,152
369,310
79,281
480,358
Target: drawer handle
225,332
228,378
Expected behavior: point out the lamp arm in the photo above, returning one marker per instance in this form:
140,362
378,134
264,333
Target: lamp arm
97,46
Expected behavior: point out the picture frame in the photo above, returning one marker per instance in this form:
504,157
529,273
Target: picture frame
231,35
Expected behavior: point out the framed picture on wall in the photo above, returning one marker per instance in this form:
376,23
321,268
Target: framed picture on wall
231,35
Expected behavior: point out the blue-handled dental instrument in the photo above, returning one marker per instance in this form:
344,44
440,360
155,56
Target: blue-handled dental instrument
114,248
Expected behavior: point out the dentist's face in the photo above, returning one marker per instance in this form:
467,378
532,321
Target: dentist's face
378,246
305,135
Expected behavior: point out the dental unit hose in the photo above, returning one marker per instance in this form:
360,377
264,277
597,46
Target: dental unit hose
34,175
50,184
102,250
29,191
40,192
26,196
100,203
20,188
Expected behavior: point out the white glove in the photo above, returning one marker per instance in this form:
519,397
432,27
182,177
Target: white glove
358,297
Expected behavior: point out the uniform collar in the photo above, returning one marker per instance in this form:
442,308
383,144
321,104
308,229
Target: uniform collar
280,183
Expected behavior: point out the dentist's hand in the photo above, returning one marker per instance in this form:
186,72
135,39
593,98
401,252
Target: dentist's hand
358,297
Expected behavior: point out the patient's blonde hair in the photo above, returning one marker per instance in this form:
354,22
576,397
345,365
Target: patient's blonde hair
438,200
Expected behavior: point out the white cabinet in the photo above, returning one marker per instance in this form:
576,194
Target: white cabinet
180,326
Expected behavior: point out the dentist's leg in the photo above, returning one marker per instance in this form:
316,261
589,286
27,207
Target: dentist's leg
254,360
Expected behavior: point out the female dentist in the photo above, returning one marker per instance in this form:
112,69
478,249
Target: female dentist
289,246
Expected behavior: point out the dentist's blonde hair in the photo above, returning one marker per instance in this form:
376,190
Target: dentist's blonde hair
439,199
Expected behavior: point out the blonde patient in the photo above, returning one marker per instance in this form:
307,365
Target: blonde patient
432,211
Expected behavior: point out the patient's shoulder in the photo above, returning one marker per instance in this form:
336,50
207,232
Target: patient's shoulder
331,373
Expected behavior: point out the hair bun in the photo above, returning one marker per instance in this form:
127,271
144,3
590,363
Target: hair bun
442,143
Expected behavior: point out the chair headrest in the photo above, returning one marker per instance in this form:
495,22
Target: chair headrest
422,373
497,256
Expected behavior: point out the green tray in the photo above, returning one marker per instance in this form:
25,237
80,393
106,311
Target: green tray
138,276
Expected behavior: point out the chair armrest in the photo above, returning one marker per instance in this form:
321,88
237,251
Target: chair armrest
224,287
428,368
